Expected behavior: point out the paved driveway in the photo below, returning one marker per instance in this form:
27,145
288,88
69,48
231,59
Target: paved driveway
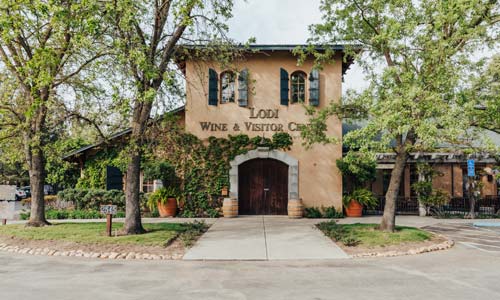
462,272
264,238
486,239
459,273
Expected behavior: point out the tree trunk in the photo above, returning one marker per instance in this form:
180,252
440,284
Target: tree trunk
422,208
133,223
472,197
37,180
389,218
33,151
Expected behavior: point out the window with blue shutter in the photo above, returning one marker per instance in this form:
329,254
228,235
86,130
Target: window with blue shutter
314,88
243,88
227,87
284,95
298,87
213,87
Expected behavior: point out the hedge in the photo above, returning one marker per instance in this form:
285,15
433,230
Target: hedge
91,199
56,214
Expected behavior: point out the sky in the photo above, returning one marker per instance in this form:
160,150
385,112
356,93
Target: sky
282,22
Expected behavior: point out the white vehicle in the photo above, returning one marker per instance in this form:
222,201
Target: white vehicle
20,194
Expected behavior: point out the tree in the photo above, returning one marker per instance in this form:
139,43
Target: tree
485,91
46,50
146,36
415,54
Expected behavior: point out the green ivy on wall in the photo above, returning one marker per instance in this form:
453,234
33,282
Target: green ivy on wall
94,172
204,166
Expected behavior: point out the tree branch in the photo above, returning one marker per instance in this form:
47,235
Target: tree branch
80,68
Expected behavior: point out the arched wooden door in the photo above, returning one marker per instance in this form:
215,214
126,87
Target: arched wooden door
263,187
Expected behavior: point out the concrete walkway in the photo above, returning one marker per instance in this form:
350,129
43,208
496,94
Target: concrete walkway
264,238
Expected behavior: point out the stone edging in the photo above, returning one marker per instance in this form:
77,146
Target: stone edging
436,247
80,253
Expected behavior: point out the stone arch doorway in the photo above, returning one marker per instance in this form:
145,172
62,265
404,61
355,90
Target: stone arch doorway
262,161
263,187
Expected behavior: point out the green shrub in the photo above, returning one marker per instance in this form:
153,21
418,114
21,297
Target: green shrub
350,241
161,196
64,214
163,171
332,230
363,196
213,212
312,212
87,199
332,213
192,232
323,212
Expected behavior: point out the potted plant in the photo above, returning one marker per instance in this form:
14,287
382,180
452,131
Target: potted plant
165,200
358,199
358,170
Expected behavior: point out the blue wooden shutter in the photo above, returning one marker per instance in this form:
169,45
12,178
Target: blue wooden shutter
284,95
243,88
213,87
314,88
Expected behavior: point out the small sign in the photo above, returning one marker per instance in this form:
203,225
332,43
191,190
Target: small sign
108,209
470,168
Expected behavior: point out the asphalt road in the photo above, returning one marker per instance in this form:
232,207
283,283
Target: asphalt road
460,273
486,239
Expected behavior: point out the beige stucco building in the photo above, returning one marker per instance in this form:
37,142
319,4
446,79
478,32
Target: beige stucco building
263,92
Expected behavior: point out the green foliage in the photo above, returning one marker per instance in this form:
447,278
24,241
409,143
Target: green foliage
363,196
367,234
312,212
204,167
163,171
63,214
417,57
92,198
282,140
158,234
62,173
485,92
161,196
95,168
423,189
350,241
332,230
426,194
191,233
50,58
359,167
323,212
332,213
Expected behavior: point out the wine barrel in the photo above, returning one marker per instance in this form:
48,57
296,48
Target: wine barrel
230,208
295,209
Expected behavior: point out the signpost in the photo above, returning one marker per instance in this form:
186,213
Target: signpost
109,211
470,168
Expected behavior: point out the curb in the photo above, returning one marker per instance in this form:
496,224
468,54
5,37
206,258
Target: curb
80,253
436,247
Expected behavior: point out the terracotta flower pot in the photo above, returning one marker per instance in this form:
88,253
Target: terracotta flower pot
168,209
354,209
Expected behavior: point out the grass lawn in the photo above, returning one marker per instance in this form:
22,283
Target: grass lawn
367,235
158,234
